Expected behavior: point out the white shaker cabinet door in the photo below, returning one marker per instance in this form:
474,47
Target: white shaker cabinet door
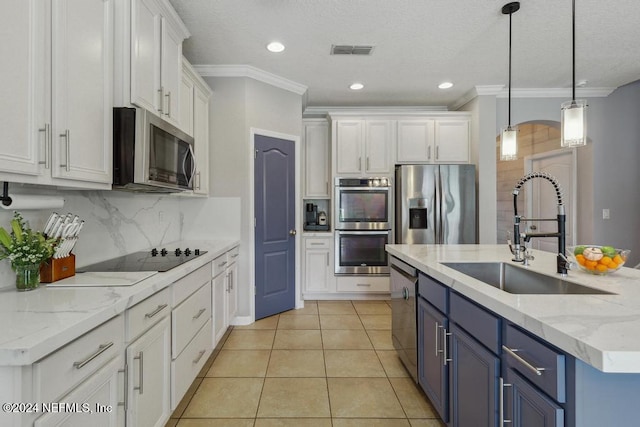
219,304
201,138
171,73
146,23
82,93
349,146
415,141
148,382
23,106
452,141
378,142
316,159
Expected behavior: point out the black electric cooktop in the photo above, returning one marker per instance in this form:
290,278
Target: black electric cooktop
153,260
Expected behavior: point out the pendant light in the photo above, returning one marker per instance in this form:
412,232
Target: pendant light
509,134
573,120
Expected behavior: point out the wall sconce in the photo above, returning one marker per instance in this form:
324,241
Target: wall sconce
573,114
509,134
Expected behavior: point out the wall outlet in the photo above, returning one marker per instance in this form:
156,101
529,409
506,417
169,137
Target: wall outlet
605,214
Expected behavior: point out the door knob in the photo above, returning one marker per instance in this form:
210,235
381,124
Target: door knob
293,232
533,227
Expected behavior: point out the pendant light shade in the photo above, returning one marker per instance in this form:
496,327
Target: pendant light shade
573,118
509,134
509,143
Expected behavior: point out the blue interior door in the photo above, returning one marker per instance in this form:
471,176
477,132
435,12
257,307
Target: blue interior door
274,183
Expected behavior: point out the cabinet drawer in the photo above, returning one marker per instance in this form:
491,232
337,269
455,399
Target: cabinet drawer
362,284
433,292
181,289
317,244
63,369
147,313
482,325
530,354
186,367
220,264
188,318
233,254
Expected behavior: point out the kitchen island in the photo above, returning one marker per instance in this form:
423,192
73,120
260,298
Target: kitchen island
594,340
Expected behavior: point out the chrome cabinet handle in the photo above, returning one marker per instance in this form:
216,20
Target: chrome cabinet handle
125,371
168,97
231,280
429,153
65,135
161,105
156,311
367,162
202,310
198,180
222,264
140,388
445,347
326,185
327,255
438,351
529,366
503,421
359,163
47,145
197,359
234,256
437,151
101,349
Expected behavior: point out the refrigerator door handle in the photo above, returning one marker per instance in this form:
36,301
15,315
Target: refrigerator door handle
438,207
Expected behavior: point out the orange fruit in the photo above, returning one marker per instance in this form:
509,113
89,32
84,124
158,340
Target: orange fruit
580,258
606,261
618,259
601,267
591,265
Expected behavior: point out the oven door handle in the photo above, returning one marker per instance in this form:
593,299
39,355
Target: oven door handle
364,232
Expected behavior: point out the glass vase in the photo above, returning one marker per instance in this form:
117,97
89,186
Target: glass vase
27,277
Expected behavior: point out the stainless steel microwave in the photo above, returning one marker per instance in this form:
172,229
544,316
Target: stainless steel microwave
149,154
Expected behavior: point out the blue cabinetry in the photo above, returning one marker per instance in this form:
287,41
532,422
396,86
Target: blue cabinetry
527,406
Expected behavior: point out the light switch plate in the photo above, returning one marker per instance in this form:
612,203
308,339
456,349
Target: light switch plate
605,214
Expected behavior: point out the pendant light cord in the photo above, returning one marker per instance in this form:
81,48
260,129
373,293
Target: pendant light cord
573,49
509,121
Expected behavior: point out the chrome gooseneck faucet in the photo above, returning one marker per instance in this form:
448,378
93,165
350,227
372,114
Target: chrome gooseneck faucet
518,250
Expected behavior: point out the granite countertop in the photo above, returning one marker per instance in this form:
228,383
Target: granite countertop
599,329
37,322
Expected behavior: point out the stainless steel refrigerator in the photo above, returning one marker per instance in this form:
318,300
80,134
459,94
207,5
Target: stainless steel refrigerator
435,204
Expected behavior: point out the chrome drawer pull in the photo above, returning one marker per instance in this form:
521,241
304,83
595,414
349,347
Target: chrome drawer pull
445,347
156,311
222,264
197,359
438,351
234,255
529,366
101,349
202,310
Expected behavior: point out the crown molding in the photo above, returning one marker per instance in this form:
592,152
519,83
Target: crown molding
492,90
587,92
321,111
252,73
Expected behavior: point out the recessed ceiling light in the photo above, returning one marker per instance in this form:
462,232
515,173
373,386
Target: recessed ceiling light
356,86
275,47
445,85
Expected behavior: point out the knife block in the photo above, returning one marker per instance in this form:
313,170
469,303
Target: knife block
55,269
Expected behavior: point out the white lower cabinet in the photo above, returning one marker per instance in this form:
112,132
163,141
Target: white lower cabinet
95,402
232,289
148,361
224,293
318,266
186,366
219,301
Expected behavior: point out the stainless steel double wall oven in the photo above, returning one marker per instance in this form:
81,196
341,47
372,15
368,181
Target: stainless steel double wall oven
363,221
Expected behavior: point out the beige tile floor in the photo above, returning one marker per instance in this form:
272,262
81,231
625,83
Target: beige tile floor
329,364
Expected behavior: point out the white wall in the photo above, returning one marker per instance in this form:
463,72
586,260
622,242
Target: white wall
483,116
238,105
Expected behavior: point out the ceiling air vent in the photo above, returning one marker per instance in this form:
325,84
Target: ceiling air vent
343,49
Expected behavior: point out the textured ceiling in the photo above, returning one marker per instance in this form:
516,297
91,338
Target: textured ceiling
418,44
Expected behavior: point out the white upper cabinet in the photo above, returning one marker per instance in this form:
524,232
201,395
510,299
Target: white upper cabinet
438,140
194,120
156,58
363,147
317,162
452,141
57,92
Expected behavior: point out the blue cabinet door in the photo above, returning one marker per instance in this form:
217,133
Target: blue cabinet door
526,406
474,382
433,372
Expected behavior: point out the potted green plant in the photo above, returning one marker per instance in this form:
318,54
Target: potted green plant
26,249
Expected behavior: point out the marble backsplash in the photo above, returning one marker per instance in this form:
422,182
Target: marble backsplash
118,223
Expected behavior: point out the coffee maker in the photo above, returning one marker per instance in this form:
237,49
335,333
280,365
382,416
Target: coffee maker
311,218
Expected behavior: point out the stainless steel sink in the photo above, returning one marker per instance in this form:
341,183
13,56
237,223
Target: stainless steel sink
518,280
